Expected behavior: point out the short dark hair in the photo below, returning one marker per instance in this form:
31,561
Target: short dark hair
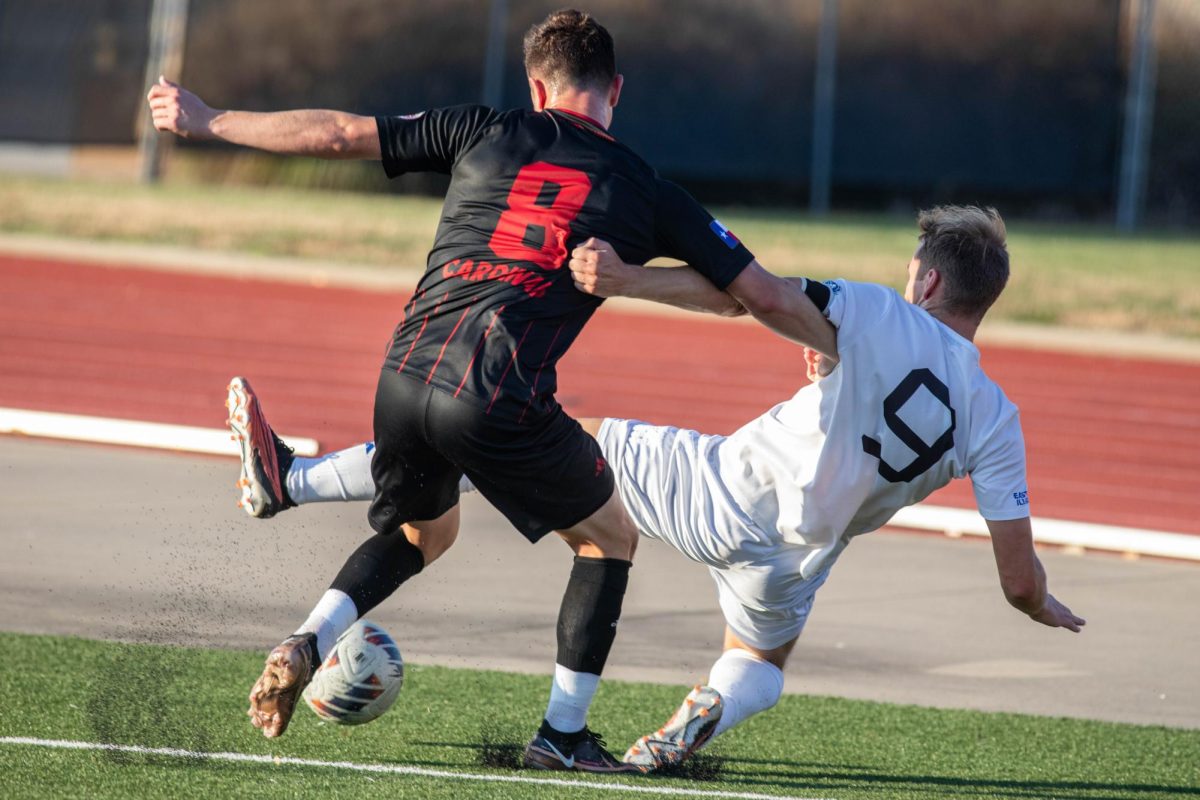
966,244
569,47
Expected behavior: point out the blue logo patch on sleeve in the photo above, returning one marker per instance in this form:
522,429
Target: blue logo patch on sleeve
724,233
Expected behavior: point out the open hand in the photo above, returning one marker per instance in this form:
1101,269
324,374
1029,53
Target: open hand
1056,615
176,110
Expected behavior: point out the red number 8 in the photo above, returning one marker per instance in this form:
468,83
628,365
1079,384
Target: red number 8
508,240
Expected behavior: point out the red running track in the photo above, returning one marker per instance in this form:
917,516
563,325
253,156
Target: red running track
1113,441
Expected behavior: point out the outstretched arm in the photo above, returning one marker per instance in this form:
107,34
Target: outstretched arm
782,305
1022,577
314,132
778,303
598,270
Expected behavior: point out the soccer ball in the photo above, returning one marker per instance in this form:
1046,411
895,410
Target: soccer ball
359,679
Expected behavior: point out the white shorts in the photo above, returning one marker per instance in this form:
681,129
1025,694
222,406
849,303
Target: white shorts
669,481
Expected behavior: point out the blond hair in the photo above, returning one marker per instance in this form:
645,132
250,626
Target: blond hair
966,244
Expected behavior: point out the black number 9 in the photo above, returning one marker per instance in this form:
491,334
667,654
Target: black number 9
927,454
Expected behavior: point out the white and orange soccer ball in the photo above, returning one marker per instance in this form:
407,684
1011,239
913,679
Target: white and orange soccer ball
359,679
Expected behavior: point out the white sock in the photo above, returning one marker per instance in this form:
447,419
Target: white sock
570,696
334,613
342,476
747,685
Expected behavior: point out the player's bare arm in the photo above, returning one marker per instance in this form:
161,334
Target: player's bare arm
319,133
1022,577
782,305
598,270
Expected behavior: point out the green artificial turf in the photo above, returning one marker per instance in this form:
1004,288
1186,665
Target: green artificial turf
475,723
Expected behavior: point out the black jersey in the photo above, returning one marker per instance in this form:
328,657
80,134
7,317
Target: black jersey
497,307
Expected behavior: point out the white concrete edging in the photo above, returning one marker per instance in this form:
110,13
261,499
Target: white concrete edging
956,522
953,522
216,441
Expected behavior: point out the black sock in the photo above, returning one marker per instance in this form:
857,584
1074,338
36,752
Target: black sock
558,737
591,607
377,568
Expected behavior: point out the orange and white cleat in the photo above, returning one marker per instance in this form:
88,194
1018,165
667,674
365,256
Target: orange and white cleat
685,732
265,458
289,668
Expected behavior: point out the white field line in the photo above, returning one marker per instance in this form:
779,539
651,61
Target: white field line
390,769
955,522
130,432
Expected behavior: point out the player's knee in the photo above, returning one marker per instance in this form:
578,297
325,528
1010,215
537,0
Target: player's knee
616,540
608,533
621,535
432,541
433,548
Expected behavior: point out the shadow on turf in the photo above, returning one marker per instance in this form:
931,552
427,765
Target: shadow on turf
811,777
499,748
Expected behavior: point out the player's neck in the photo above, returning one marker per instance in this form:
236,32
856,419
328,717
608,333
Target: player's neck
966,327
592,105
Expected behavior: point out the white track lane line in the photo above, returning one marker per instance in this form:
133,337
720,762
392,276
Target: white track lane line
390,769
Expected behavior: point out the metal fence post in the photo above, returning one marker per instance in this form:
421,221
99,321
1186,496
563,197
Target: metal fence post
1139,116
493,57
168,27
823,96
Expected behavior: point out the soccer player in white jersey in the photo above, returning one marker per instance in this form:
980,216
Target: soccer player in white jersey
902,410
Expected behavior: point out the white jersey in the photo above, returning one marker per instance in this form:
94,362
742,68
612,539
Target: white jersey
906,410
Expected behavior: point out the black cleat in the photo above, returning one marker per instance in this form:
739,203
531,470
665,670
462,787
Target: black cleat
583,751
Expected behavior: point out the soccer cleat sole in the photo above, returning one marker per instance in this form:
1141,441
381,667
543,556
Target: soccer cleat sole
688,729
252,434
537,758
277,691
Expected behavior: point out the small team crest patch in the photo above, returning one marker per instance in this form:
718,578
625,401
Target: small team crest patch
724,233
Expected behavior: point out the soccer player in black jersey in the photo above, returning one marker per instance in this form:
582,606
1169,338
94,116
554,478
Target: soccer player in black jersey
468,383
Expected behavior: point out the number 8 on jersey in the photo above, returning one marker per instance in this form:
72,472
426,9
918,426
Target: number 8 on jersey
511,237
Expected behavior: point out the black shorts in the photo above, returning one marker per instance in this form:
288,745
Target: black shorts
543,474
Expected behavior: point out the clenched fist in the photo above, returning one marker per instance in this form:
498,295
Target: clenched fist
176,110
597,269
817,366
